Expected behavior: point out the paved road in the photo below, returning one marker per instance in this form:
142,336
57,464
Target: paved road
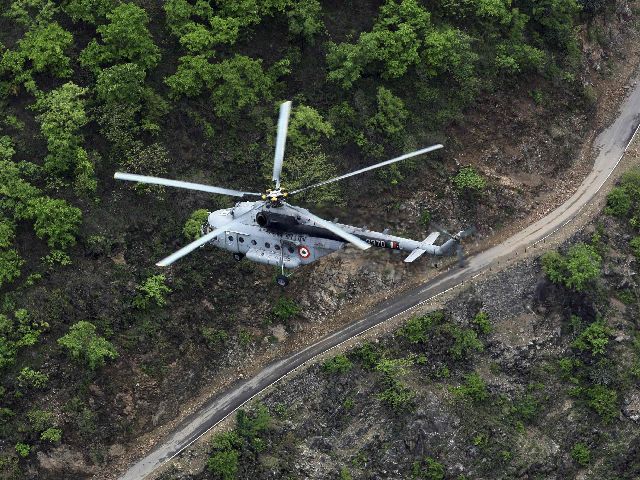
611,143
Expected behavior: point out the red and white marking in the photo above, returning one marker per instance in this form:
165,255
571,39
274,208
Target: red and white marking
304,252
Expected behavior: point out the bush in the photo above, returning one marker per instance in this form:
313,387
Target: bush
604,401
54,220
468,179
465,342
90,11
285,308
594,338
473,388
32,378
417,329
618,202
10,266
125,38
83,342
21,331
635,246
337,364
579,268
581,454
481,320
23,449
192,229
224,464
53,435
305,19
152,290
429,469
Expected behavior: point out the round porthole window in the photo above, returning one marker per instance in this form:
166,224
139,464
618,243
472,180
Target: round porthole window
230,238
241,239
253,242
267,244
277,247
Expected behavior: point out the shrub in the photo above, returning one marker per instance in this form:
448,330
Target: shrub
21,331
473,388
465,342
429,469
23,449
481,320
192,229
52,435
55,220
468,179
580,267
594,338
305,19
249,426
417,329
399,397
10,266
635,246
83,342
390,116
224,464
604,401
581,454
152,290
307,127
214,336
32,378
285,308
337,364
618,202
90,11
425,218
125,38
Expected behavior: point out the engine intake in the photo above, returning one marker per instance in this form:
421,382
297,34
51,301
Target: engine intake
275,221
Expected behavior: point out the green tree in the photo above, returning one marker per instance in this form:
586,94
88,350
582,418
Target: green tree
307,128
192,227
152,290
125,38
41,50
10,265
31,12
305,19
62,115
90,11
120,84
581,454
390,116
337,364
54,220
594,338
579,268
83,342
224,464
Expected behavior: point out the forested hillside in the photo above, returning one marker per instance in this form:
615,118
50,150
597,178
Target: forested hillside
98,346
533,372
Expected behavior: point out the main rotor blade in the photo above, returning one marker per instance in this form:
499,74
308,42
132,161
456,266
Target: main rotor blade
332,227
283,124
204,239
131,177
372,167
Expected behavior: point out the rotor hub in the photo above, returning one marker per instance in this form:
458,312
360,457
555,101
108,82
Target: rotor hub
275,196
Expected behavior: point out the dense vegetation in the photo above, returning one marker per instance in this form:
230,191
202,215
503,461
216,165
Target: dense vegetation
90,87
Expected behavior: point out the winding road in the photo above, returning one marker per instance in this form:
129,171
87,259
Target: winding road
611,145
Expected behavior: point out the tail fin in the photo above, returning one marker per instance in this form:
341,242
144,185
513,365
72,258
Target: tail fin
417,253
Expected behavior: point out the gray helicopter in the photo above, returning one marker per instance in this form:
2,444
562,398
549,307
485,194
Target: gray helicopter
273,232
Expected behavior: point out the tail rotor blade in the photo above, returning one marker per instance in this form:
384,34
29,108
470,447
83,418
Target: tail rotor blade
283,124
131,177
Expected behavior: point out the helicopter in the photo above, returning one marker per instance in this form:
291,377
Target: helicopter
271,231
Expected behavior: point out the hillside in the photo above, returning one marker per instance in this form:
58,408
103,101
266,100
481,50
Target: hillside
98,346
533,372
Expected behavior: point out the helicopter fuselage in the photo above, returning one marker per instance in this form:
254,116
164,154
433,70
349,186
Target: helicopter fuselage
281,236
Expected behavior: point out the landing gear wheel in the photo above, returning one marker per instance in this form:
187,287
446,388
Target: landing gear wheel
282,281
238,256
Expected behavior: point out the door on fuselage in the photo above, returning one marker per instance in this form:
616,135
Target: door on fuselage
231,241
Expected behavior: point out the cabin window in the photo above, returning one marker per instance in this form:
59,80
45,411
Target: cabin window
267,244
241,239
231,238
291,250
277,247
253,242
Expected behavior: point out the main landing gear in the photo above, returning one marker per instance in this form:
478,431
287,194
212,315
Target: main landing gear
282,281
238,256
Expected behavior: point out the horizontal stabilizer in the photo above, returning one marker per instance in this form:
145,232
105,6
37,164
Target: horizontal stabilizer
433,236
413,255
